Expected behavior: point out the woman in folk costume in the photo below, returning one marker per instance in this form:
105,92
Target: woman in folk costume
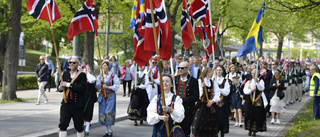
174,109
277,104
255,103
90,97
107,98
223,105
139,101
205,122
232,72
237,97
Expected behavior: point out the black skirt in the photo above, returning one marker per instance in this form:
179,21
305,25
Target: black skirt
205,122
139,102
255,115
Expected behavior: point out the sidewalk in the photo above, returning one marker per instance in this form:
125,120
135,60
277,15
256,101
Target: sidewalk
29,120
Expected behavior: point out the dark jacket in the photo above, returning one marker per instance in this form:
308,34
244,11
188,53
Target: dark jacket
273,89
192,93
78,89
267,77
41,71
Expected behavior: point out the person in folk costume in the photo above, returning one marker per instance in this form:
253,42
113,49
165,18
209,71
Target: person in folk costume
188,90
277,104
255,103
107,104
75,85
237,96
205,123
90,97
127,77
175,110
267,76
292,73
139,101
152,72
300,73
223,105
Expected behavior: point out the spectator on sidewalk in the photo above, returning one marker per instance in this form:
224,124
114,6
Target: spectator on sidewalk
314,91
75,85
50,71
57,77
127,78
66,65
41,73
115,65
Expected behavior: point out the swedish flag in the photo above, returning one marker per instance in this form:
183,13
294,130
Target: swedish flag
133,13
254,38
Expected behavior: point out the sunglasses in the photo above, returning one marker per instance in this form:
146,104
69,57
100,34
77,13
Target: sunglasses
182,68
273,64
154,62
72,62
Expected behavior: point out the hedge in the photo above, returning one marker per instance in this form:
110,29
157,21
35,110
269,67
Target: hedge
29,82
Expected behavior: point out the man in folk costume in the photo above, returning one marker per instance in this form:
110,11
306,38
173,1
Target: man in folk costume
188,90
153,76
267,76
300,73
75,84
293,82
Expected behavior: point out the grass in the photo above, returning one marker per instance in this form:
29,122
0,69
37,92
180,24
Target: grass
16,100
304,125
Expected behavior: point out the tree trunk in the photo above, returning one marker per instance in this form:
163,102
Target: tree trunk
9,82
88,48
280,44
3,43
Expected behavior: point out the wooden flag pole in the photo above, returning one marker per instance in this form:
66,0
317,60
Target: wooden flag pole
159,65
65,96
195,45
104,93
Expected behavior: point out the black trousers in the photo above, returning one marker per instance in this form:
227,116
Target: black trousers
186,123
49,80
66,113
124,86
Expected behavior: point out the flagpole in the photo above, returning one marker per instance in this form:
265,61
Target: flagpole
65,96
172,72
159,65
195,45
104,93
213,56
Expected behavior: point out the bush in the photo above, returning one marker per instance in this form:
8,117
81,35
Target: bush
29,82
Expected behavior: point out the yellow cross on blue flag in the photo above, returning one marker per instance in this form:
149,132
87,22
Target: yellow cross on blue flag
254,38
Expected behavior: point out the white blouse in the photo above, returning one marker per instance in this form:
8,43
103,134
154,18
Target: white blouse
177,114
146,80
226,90
216,96
253,84
116,82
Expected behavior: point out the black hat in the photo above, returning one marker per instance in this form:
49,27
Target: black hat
236,64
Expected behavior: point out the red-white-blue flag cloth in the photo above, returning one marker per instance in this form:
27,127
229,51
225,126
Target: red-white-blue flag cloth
186,32
141,56
199,10
83,21
39,9
163,29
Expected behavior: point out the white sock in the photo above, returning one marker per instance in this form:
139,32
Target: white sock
87,126
107,128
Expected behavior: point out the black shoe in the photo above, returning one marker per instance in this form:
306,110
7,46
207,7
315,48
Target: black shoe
141,122
124,95
110,135
135,123
249,134
106,135
86,133
254,134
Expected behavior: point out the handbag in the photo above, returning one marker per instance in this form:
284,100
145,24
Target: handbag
280,94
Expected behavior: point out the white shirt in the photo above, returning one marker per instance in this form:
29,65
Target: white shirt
253,84
226,90
177,114
195,71
146,80
216,95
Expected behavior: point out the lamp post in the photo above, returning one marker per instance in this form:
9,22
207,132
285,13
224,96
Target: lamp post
289,57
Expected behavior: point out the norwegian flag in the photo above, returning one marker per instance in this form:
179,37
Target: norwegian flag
38,10
141,57
163,29
186,32
83,21
199,10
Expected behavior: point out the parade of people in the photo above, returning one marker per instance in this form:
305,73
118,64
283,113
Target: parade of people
163,79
